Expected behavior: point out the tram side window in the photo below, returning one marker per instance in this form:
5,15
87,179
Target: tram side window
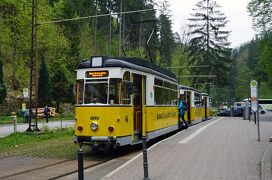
127,88
158,92
165,92
79,91
198,102
115,91
159,95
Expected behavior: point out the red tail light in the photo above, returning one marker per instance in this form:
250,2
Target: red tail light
110,128
80,128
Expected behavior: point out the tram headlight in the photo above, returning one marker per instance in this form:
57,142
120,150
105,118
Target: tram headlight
94,126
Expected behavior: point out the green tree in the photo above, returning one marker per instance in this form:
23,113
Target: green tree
265,63
44,85
61,86
209,41
3,92
261,13
166,35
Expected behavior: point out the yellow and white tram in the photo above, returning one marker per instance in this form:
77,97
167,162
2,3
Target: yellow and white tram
206,106
119,100
192,97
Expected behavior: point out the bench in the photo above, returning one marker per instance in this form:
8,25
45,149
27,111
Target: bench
40,112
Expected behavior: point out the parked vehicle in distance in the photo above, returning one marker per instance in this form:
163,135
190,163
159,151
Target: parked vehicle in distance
223,112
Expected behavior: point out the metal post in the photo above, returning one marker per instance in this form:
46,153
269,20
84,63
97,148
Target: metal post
247,110
254,117
244,113
14,119
61,122
80,154
258,120
145,163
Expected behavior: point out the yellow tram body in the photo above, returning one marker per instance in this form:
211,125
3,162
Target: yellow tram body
122,100
120,118
160,118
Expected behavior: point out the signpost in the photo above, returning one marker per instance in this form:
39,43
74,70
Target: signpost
25,93
255,103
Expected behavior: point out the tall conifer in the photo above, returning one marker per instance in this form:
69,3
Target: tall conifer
166,35
209,41
44,85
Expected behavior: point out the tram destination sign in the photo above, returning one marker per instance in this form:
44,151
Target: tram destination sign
254,95
95,74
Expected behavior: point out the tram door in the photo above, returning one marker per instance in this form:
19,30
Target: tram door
138,81
188,95
205,107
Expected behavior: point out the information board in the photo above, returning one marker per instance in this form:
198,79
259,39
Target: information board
254,95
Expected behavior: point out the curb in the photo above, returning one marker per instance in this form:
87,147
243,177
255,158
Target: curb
266,164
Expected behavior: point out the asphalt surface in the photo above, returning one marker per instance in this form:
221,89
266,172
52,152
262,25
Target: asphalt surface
6,130
224,148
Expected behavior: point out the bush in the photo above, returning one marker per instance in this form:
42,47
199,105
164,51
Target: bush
67,109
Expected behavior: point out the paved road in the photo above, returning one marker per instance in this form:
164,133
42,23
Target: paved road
222,149
6,130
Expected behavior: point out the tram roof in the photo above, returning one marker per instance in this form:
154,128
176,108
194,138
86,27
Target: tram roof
205,94
131,63
188,88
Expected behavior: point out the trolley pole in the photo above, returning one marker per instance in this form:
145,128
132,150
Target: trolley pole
80,154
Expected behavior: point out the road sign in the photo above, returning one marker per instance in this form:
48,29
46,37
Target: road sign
25,93
254,93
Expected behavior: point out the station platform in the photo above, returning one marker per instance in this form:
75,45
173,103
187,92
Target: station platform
223,148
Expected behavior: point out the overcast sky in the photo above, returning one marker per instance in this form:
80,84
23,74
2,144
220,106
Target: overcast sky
235,10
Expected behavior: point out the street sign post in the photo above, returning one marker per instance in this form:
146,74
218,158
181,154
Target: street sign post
25,93
255,103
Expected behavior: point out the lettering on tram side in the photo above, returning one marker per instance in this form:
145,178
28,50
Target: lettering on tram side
94,118
166,115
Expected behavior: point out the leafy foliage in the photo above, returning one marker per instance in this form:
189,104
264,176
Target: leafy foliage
61,79
261,13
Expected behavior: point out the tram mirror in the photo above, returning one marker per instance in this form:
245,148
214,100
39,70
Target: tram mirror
129,88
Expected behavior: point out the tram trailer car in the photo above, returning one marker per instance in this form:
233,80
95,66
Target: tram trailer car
192,97
120,100
206,106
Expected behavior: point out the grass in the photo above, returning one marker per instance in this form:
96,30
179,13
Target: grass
8,119
54,143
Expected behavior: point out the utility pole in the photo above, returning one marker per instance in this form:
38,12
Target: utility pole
110,31
33,68
120,28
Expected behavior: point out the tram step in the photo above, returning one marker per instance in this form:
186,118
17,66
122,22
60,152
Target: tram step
137,142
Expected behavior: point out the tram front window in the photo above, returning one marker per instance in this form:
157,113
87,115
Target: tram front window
96,93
